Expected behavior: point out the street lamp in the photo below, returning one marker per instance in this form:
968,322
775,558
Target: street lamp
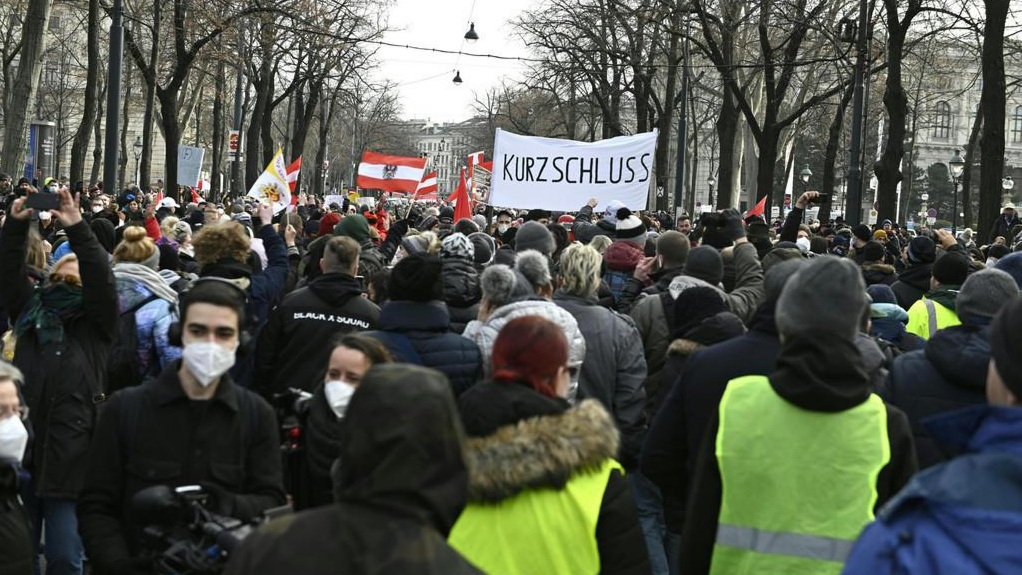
471,35
137,147
457,78
710,183
805,174
956,165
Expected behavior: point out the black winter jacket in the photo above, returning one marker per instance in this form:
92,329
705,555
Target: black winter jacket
712,330
323,432
913,282
229,442
15,531
815,373
950,372
63,381
613,370
293,348
400,487
538,458
676,433
461,291
420,333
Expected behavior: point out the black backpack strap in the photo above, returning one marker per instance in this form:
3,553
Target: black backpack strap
131,400
140,304
668,304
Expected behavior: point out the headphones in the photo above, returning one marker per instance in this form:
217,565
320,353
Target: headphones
175,330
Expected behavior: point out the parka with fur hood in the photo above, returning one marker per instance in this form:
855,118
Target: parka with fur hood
521,442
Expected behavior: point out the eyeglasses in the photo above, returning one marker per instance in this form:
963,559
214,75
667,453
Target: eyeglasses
65,278
10,410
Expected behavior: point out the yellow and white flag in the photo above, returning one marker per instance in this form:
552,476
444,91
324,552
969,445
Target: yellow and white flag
271,186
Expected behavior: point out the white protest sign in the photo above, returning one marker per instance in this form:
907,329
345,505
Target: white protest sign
189,165
333,199
553,174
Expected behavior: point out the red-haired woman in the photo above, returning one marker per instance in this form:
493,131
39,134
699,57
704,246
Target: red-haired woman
545,494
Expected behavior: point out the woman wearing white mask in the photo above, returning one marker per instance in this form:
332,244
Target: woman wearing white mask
350,357
15,538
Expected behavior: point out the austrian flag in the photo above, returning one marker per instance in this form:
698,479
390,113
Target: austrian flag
390,173
427,185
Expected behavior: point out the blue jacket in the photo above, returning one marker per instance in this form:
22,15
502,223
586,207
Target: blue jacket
420,333
960,517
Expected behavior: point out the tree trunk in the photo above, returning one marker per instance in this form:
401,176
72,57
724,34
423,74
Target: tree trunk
888,167
767,161
33,34
122,162
727,134
82,135
219,96
172,136
97,130
970,157
992,102
830,156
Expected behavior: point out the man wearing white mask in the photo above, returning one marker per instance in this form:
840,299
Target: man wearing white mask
193,425
15,532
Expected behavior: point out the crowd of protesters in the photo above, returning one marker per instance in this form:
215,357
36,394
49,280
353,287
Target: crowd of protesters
519,392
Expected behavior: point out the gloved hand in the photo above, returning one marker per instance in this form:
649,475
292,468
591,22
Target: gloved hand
734,228
220,500
399,228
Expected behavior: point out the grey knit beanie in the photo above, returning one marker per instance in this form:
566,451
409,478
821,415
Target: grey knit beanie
534,236
826,294
983,294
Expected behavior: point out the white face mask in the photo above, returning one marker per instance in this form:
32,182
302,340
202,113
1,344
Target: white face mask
13,439
503,228
338,394
803,244
97,208
207,361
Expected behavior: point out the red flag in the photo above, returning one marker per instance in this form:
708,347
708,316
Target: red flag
195,196
426,187
758,209
463,206
390,173
292,177
158,198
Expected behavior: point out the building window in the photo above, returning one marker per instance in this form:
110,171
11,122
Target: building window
1016,126
52,74
942,121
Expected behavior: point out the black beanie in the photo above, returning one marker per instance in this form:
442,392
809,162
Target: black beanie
706,264
951,269
862,232
1006,345
416,278
693,306
872,252
922,250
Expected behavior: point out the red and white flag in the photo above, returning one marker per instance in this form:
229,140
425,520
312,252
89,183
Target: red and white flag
390,173
461,201
474,159
292,173
426,187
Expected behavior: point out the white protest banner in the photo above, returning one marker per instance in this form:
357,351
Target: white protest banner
333,199
189,165
553,174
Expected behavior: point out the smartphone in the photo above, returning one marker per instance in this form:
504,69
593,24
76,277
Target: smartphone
820,198
43,201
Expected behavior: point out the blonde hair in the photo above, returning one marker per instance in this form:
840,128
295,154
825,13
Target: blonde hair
220,241
136,246
167,225
432,243
580,270
600,244
63,260
35,253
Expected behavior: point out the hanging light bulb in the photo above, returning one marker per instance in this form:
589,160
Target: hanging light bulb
457,78
471,35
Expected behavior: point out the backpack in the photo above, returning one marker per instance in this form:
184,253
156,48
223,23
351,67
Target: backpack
122,369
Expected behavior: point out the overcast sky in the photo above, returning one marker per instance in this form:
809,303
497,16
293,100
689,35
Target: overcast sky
424,78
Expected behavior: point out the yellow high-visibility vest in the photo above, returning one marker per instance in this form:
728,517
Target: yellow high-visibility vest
797,485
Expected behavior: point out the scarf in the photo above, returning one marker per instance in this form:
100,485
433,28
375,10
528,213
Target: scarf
822,372
153,281
945,296
47,311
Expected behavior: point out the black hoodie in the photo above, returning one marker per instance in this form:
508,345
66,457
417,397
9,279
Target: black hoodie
400,484
913,283
293,348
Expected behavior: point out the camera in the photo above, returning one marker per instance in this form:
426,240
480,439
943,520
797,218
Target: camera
712,220
181,536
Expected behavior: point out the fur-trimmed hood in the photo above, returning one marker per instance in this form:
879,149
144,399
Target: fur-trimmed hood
684,347
542,451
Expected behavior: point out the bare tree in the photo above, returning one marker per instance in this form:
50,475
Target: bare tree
33,35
